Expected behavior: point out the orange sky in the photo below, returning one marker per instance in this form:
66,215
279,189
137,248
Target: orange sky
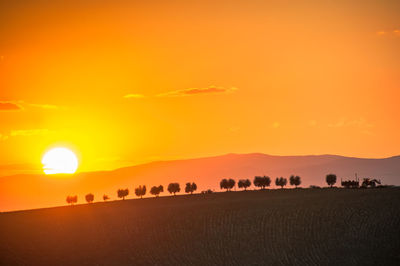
123,82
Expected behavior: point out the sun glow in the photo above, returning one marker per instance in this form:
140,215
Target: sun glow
59,161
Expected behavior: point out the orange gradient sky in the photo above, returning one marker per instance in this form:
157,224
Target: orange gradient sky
127,82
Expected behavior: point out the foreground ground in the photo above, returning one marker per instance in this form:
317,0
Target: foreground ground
302,226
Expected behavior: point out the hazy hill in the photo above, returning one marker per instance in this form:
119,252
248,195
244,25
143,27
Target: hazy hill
32,191
272,227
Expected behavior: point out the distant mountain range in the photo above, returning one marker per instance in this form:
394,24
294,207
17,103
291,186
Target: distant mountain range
34,191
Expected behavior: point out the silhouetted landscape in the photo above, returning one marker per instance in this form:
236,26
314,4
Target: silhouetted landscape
265,227
199,132
205,172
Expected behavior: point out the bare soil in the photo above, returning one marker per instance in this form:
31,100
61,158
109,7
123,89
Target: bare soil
271,227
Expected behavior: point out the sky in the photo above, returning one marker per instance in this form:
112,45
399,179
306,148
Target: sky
127,82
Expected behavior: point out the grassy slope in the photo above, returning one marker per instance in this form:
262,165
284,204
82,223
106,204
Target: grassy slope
304,226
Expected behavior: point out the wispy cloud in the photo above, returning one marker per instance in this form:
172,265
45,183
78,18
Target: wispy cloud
344,122
29,132
194,91
134,96
22,105
10,106
44,106
389,33
25,133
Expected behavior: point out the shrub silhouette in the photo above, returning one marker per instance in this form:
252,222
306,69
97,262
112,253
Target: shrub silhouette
140,191
244,183
262,181
208,191
89,198
281,181
331,179
122,193
227,184
190,188
174,188
156,190
295,180
105,197
72,199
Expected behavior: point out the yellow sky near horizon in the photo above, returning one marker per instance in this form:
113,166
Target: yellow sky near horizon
126,82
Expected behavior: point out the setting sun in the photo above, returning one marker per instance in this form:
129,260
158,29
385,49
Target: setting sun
59,161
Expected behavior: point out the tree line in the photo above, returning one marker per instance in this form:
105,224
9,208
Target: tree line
259,181
140,191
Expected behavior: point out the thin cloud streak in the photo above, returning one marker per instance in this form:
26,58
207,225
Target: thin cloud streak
361,123
10,106
194,91
29,132
134,96
44,106
25,133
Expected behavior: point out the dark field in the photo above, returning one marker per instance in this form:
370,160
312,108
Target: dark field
273,227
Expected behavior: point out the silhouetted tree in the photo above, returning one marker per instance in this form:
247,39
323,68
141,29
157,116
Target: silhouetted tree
174,188
295,180
331,179
105,197
89,198
156,190
281,181
122,193
190,188
224,184
262,181
227,184
244,183
231,183
140,191
72,199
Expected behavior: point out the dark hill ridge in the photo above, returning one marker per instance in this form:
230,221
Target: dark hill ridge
271,227
206,172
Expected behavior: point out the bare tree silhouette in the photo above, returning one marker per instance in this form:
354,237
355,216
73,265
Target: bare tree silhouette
331,179
122,193
244,183
89,198
262,181
72,199
190,188
281,181
105,197
295,180
174,188
140,191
